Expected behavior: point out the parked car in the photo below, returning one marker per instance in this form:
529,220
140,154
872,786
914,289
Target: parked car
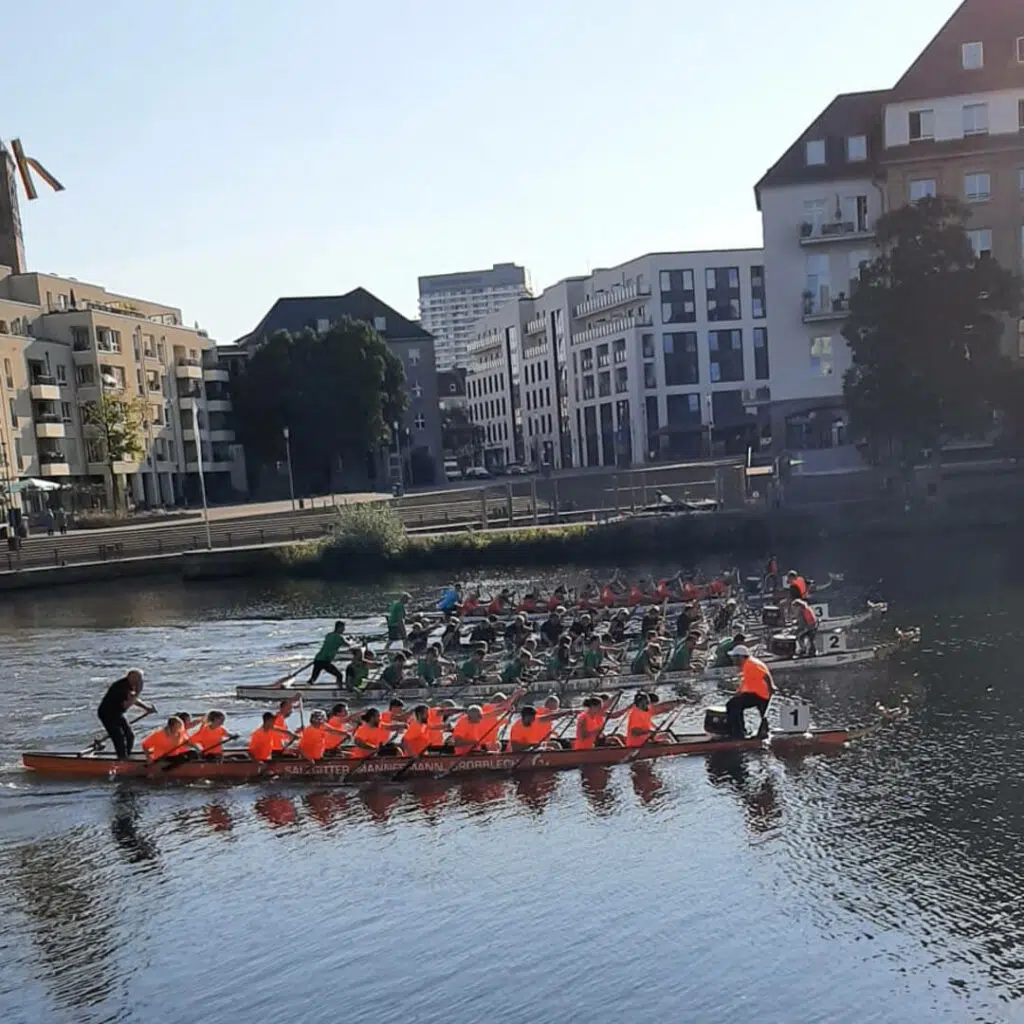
451,470
518,470
477,473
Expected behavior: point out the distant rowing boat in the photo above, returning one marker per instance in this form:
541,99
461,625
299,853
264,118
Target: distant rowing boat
239,768
574,684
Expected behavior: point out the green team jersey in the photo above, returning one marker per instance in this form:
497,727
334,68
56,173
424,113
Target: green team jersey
722,659
329,648
679,660
471,669
356,674
512,671
556,668
592,661
392,675
396,613
641,662
429,671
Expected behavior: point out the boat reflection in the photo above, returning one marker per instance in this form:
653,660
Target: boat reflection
595,780
124,827
753,781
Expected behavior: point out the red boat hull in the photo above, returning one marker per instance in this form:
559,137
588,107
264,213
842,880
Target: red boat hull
238,767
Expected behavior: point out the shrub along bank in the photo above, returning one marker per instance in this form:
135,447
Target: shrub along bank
371,539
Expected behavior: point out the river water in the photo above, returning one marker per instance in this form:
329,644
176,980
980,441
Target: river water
882,883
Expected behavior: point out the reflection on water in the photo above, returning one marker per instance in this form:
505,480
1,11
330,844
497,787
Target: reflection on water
881,883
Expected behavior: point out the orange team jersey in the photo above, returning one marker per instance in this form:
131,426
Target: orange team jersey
754,679
374,736
417,738
210,739
340,724
640,720
807,614
801,585
588,728
261,744
280,722
435,724
388,719
466,734
661,591
312,742
607,596
529,735
158,744
496,607
716,588
636,595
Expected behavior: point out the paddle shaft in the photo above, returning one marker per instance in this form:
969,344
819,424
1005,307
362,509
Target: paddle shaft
498,722
292,675
102,737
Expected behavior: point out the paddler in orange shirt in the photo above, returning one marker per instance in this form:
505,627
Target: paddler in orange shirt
339,727
796,585
418,736
475,733
166,741
263,741
592,721
284,710
313,738
755,690
211,734
371,737
530,732
641,728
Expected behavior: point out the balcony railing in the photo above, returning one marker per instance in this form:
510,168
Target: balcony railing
49,417
47,458
824,307
832,231
536,325
627,323
43,378
616,297
188,362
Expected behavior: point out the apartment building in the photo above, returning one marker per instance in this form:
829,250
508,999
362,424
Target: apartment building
954,125
419,451
64,343
819,204
452,304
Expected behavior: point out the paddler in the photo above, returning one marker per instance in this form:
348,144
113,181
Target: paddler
551,628
166,742
530,732
518,668
806,628
394,717
394,674
371,737
796,585
396,617
264,740
498,604
281,730
418,736
593,658
557,599
485,632
339,727
517,632
210,736
724,615
324,659
617,627
473,667
430,668
640,725
313,738
559,663
357,671
451,600
121,695
755,690
451,635
591,722
682,654
650,622
473,732
647,661
722,657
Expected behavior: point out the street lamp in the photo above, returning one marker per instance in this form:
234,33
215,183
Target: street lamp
288,453
398,452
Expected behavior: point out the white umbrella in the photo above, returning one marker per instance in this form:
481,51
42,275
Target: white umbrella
33,484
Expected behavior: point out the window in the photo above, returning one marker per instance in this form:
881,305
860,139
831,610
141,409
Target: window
821,357
650,376
977,187
602,355
8,374
619,350
922,125
723,293
857,148
586,360
726,350
973,56
62,374
413,355
80,340
420,422
588,388
604,384
923,188
621,380
1020,115
1020,49
65,411
975,119
683,410
815,152
14,412
678,297
680,358
981,242
647,340
757,292
761,371
86,375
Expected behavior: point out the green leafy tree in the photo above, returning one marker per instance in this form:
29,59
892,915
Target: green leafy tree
460,436
117,421
336,392
925,325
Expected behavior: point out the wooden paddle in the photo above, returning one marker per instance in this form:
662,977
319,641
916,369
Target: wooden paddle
101,739
499,721
291,675
657,730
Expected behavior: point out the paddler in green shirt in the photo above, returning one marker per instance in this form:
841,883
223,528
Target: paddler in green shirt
473,667
647,660
722,651
513,671
593,658
679,659
394,674
357,672
324,658
396,617
431,666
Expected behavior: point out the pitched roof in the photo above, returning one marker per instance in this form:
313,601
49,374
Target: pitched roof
852,113
939,70
299,312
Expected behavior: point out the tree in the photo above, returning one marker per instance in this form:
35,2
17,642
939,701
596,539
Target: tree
117,419
337,392
460,436
924,329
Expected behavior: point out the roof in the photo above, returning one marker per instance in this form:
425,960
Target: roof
451,383
852,113
507,275
939,70
297,313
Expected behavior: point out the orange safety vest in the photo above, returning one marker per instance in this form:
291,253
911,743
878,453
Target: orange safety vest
280,722
639,719
158,744
340,724
807,614
754,678
466,735
588,728
312,742
372,735
417,737
801,585
210,741
529,735
261,744
435,723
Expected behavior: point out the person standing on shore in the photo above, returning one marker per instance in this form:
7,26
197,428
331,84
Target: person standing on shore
121,695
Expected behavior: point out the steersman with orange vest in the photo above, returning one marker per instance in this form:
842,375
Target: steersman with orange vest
755,690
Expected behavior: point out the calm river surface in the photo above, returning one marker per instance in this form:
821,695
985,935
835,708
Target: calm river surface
883,883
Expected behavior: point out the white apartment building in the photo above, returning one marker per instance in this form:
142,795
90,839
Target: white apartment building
819,205
452,304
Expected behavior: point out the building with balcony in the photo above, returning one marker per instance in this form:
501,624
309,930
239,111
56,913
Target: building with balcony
65,343
452,304
819,203
419,452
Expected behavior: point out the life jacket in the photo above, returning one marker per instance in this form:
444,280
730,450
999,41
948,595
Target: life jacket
529,735
636,596
716,588
417,737
662,592
807,614
638,719
689,592
313,742
592,725
496,607
753,679
608,597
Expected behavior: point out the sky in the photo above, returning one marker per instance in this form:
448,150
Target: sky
218,154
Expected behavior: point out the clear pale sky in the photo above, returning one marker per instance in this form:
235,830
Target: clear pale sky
218,154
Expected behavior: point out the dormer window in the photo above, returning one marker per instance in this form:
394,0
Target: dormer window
815,152
973,55
857,148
